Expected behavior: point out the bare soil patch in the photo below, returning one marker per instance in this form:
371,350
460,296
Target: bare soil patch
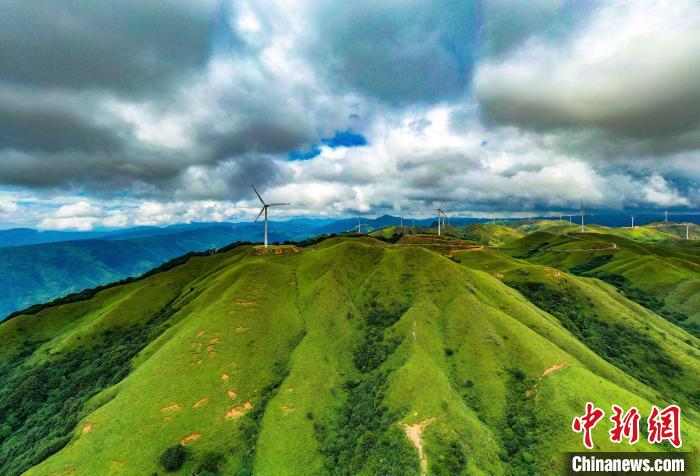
200,402
190,437
413,433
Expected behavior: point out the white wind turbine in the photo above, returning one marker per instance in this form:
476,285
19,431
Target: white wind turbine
440,211
264,208
666,216
359,225
632,217
582,212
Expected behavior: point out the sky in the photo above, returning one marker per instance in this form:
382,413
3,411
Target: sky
144,112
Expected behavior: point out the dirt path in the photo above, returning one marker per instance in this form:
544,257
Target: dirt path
413,433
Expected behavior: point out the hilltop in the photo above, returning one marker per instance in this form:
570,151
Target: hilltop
431,354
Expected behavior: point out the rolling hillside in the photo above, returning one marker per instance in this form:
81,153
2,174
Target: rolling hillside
39,273
663,277
351,356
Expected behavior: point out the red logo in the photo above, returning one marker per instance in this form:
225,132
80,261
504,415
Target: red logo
665,425
662,425
587,422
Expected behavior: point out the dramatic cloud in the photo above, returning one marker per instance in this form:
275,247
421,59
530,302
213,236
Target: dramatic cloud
147,114
631,69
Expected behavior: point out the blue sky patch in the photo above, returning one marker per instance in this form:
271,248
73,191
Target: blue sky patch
340,139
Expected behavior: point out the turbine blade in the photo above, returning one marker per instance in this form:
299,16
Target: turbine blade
256,193
261,212
277,204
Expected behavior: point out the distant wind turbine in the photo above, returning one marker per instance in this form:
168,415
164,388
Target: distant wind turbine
687,231
359,225
666,215
265,206
632,217
582,212
440,211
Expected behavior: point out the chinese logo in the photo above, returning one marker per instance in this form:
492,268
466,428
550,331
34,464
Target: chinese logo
662,425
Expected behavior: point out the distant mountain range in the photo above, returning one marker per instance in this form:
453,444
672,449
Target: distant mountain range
38,266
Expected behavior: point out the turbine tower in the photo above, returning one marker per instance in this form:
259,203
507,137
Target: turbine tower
359,225
687,231
632,217
582,212
440,211
265,206
666,216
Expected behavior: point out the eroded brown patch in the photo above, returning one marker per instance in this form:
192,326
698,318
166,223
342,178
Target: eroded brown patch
231,394
200,402
190,437
201,333
554,368
235,412
174,406
224,377
244,302
413,433
248,406
88,427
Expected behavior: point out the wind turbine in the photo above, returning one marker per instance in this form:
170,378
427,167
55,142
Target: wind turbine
265,206
359,225
687,231
439,212
666,216
582,212
632,217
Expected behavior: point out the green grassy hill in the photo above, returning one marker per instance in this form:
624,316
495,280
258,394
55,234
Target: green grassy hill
489,234
663,277
351,356
38,273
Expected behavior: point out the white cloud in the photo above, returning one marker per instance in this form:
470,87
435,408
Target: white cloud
659,192
633,68
7,205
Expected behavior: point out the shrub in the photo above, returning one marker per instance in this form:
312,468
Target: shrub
173,457
210,464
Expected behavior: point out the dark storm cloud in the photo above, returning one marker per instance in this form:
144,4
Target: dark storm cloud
53,131
130,46
405,52
628,73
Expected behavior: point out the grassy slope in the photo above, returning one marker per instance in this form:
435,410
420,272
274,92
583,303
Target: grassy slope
490,234
40,273
281,332
670,272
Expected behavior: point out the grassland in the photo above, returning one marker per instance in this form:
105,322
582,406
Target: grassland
350,356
